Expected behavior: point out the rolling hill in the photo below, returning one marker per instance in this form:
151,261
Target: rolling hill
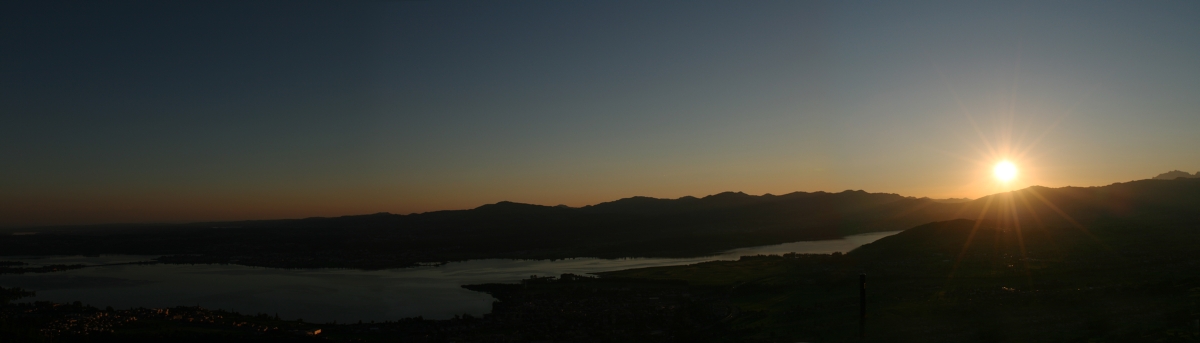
631,227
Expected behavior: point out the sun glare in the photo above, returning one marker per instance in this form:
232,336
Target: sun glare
1005,171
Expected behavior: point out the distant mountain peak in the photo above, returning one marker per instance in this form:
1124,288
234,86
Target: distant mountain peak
509,204
1175,174
727,194
948,200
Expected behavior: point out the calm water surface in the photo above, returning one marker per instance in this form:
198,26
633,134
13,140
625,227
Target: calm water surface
323,295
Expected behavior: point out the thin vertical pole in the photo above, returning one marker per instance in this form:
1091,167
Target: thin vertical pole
862,306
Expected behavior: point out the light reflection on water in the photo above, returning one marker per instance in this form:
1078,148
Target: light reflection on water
344,295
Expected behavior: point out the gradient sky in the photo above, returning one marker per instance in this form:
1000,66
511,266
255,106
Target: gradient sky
189,111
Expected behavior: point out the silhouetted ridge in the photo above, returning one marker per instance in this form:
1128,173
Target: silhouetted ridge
641,204
728,200
631,227
1175,174
515,207
1164,200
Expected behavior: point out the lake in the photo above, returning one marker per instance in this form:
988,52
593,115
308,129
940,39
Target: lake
324,295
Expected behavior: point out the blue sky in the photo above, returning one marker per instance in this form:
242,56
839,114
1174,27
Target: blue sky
137,112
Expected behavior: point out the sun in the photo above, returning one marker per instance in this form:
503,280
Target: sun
1005,171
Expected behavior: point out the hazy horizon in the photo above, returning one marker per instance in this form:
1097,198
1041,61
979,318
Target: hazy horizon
213,111
12,227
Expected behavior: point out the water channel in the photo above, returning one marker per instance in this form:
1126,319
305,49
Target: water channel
324,295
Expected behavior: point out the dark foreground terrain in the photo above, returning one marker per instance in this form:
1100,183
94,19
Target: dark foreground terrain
1103,264
954,281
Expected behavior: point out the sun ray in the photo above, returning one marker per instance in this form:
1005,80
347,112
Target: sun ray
1069,219
1001,222
986,151
960,157
971,236
991,150
1029,207
911,210
1016,220
1057,121
1036,217
1033,214
1020,141
966,112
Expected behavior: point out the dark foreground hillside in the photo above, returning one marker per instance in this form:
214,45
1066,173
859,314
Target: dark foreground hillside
963,281
953,281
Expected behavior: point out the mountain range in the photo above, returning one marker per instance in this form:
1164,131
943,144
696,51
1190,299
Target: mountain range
631,227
